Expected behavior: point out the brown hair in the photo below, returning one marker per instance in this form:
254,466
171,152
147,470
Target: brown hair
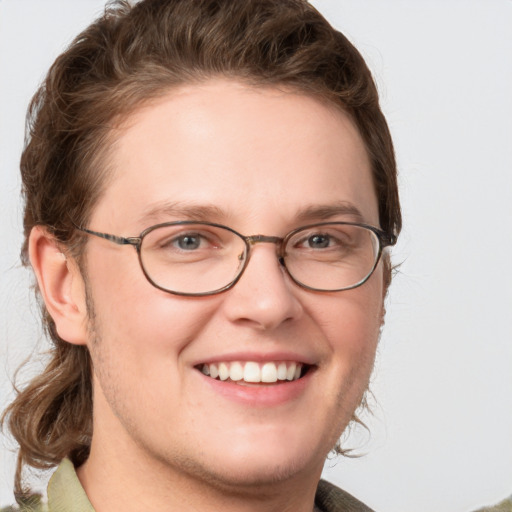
130,55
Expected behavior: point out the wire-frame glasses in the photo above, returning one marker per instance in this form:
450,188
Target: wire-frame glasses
203,258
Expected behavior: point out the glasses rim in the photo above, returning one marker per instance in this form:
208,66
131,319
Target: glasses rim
384,238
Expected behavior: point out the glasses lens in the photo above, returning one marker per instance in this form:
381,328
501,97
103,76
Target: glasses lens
192,258
332,257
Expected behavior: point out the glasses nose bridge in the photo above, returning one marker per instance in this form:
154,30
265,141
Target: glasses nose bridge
258,239
264,239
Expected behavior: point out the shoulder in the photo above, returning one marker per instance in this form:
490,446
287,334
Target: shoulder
504,506
24,508
330,498
30,505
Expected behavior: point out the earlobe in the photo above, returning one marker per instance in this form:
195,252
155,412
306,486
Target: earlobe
61,286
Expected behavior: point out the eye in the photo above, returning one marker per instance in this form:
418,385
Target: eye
191,242
188,242
333,240
318,241
175,239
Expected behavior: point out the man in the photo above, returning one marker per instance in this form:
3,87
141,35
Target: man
240,149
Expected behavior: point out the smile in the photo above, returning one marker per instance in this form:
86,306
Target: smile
253,372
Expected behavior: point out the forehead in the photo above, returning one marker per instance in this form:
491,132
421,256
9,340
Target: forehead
238,152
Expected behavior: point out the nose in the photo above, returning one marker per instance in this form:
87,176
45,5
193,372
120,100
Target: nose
264,297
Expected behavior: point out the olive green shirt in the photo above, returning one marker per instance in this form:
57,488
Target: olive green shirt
66,494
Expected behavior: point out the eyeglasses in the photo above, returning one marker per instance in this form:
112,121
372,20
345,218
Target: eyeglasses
202,258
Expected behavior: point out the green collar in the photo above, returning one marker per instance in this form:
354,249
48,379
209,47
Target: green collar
65,492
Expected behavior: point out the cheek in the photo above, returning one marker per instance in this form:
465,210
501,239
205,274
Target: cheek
351,322
137,322
358,312
137,356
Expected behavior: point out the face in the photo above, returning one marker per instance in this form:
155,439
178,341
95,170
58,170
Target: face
261,161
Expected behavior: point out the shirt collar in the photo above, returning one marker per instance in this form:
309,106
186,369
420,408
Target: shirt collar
65,492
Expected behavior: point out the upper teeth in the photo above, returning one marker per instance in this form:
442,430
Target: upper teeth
253,372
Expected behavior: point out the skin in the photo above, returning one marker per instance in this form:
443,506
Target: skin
164,438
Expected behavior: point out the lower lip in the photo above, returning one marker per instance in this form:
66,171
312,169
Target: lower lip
259,395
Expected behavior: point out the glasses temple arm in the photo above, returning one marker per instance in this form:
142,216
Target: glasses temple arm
120,240
389,239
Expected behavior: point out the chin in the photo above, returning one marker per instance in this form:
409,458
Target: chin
266,462
243,476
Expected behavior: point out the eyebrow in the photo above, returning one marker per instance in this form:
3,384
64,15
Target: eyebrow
327,212
162,211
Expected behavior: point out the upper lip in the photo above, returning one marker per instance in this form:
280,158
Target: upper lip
258,357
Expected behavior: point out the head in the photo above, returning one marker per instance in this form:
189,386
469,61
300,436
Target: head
132,72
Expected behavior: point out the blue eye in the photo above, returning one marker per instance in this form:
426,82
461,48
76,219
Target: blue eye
319,241
188,242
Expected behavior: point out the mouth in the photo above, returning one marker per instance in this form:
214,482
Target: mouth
251,372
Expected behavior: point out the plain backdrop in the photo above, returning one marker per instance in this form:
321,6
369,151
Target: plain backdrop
441,433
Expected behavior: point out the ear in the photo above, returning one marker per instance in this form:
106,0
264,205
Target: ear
61,286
